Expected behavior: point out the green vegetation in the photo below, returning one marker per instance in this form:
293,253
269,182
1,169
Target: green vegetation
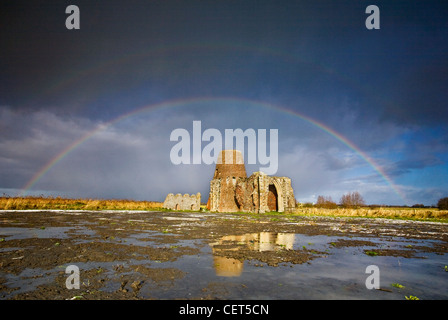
371,253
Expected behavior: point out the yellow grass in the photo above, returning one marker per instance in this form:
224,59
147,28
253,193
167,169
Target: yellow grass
24,203
380,212
47,203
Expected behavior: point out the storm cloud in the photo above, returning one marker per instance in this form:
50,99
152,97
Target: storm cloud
355,109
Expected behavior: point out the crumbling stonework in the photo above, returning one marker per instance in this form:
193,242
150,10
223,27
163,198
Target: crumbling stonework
230,163
231,190
183,202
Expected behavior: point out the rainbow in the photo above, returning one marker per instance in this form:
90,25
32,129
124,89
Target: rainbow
182,102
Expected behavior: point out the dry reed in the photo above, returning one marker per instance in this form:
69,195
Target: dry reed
47,203
380,212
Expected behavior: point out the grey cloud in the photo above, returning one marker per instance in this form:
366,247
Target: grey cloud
420,98
405,166
130,159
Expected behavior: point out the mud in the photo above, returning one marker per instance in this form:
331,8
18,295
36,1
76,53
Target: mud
144,255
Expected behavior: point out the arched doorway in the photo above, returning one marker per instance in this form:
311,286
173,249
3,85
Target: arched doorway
272,198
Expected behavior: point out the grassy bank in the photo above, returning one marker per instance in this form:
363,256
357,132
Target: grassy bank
380,212
426,214
47,203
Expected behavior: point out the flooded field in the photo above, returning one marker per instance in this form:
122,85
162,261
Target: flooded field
171,255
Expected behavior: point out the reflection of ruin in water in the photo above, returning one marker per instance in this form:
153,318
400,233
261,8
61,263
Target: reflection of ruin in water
261,241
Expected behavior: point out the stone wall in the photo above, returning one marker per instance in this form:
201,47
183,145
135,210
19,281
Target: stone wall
253,194
183,202
231,190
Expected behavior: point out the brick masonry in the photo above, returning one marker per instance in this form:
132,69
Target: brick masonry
231,190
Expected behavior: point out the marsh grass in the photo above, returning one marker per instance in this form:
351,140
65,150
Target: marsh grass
49,203
405,213
380,212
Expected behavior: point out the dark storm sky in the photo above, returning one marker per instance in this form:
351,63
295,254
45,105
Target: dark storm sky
383,90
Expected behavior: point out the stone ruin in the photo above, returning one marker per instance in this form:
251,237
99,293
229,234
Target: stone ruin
231,190
183,202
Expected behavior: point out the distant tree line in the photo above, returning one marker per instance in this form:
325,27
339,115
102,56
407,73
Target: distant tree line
325,202
349,200
352,200
355,200
443,204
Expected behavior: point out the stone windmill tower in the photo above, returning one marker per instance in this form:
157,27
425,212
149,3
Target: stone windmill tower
230,164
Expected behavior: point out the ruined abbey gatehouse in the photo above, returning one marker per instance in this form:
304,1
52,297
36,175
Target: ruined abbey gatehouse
231,190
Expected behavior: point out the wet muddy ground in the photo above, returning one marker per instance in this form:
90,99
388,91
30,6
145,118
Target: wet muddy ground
172,255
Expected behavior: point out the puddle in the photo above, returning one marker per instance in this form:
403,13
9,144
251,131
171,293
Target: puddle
256,242
123,255
14,233
339,274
